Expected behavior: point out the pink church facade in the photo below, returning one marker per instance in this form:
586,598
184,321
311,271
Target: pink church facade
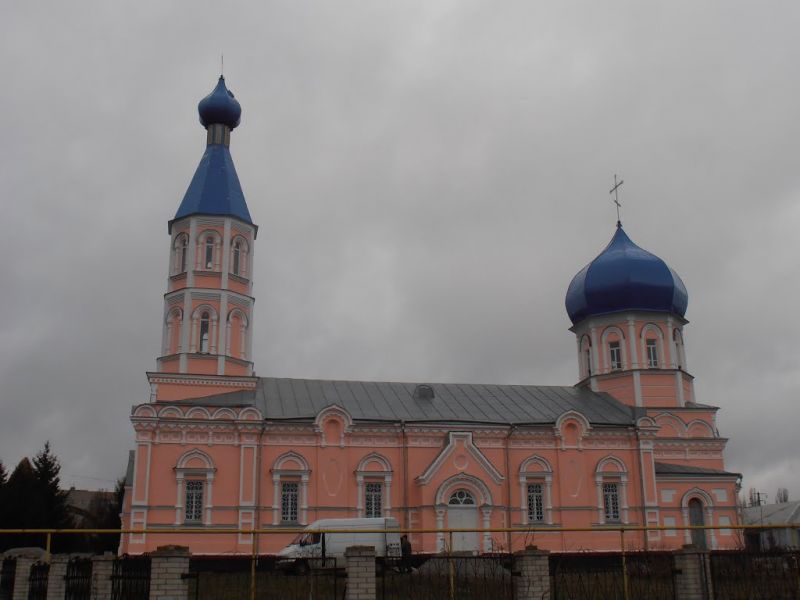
217,447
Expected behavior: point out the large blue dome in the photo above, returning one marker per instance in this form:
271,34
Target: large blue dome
625,277
220,107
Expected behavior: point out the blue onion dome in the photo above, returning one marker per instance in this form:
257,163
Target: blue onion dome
625,277
220,107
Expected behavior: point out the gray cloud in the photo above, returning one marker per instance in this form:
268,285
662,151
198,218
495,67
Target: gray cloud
427,177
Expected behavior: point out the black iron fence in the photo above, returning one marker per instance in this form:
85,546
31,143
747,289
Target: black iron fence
436,577
612,576
229,578
37,581
130,578
741,575
78,579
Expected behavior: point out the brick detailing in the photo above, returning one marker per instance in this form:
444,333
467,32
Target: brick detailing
531,574
168,564
21,577
692,574
56,586
102,567
360,564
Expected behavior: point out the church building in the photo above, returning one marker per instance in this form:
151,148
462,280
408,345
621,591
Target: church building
217,447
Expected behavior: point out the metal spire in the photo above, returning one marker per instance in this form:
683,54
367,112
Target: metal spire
614,190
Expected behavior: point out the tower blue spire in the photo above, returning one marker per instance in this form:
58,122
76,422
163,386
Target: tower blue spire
215,187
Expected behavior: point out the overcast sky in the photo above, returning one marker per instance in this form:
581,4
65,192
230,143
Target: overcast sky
427,177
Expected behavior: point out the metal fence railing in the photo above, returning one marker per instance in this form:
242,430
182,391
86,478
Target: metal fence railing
628,570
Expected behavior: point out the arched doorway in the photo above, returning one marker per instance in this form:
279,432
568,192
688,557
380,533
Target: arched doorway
462,513
696,518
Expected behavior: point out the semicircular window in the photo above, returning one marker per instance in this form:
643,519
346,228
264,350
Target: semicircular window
461,497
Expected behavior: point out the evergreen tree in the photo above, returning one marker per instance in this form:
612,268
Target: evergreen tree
3,474
47,468
55,513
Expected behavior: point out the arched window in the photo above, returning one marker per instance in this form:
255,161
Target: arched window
194,475
290,474
461,498
204,332
374,479
611,479
696,519
180,252
652,346
236,334
535,478
209,253
613,344
237,256
172,341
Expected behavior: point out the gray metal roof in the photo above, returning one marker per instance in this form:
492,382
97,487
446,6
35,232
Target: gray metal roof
772,514
670,469
280,398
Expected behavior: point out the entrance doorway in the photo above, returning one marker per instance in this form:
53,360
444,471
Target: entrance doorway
462,513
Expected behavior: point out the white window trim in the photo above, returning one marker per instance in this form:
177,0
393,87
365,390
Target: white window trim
660,355
280,474
620,477
606,344
206,475
537,477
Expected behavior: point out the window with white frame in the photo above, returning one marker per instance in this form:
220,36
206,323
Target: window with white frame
193,501
289,496
205,321
611,501
615,354
373,500
535,503
651,347
181,248
208,252
239,257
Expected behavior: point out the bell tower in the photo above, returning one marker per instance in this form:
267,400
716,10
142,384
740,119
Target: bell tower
206,343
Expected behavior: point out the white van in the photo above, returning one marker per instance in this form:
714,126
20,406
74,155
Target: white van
312,543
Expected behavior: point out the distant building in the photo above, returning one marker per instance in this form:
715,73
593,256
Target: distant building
219,447
772,516
85,506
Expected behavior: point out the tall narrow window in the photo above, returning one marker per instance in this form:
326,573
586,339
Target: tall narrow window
194,501
611,501
652,353
209,253
289,494
587,361
373,501
204,324
237,255
183,243
615,353
535,503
